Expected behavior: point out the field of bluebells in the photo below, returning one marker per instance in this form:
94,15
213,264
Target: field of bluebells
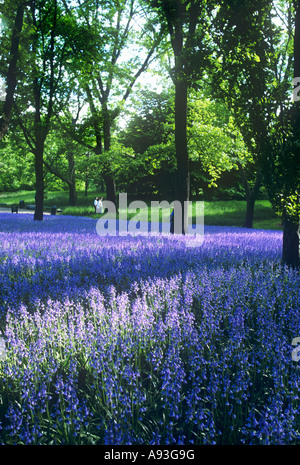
142,340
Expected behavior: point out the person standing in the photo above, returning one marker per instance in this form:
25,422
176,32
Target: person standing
95,204
100,205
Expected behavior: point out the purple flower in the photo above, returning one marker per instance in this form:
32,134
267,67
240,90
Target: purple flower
142,340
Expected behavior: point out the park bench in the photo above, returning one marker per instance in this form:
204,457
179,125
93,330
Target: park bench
53,210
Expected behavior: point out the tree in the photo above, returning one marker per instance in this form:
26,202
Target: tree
291,219
41,77
11,73
151,121
254,71
214,143
282,161
148,134
107,74
61,159
251,75
187,23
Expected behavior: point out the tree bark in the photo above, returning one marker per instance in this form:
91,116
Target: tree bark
183,174
181,95
291,231
42,125
107,175
297,40
251,195
40,137
72,180
251,199
12,71
72,195
39,180
87,173
290,246
110,188
249,212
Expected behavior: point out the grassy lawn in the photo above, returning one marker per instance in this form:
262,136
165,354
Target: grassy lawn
232,213
221,213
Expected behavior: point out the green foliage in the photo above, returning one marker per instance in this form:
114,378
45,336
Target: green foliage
248,67
220,213
92,67
214,140
253,74
151,120
214,143
282,166
16,164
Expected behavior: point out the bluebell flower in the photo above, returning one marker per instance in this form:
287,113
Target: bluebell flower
141,340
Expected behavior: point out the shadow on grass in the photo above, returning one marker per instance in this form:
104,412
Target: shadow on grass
216,213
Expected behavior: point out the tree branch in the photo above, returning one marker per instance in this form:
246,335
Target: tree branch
57,173
25,130
72,134
144,66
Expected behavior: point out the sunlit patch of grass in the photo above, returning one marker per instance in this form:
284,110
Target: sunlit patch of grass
218,213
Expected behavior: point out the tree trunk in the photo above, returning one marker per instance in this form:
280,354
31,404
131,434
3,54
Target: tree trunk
72,180
181,96
290,244
107,175
297,40
12,70
86,187
251,198
39,181
251,194
183,176
249,211
110,188
87,174
72,195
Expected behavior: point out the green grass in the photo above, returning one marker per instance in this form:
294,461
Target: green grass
219,213
60,199
232,213
10,198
